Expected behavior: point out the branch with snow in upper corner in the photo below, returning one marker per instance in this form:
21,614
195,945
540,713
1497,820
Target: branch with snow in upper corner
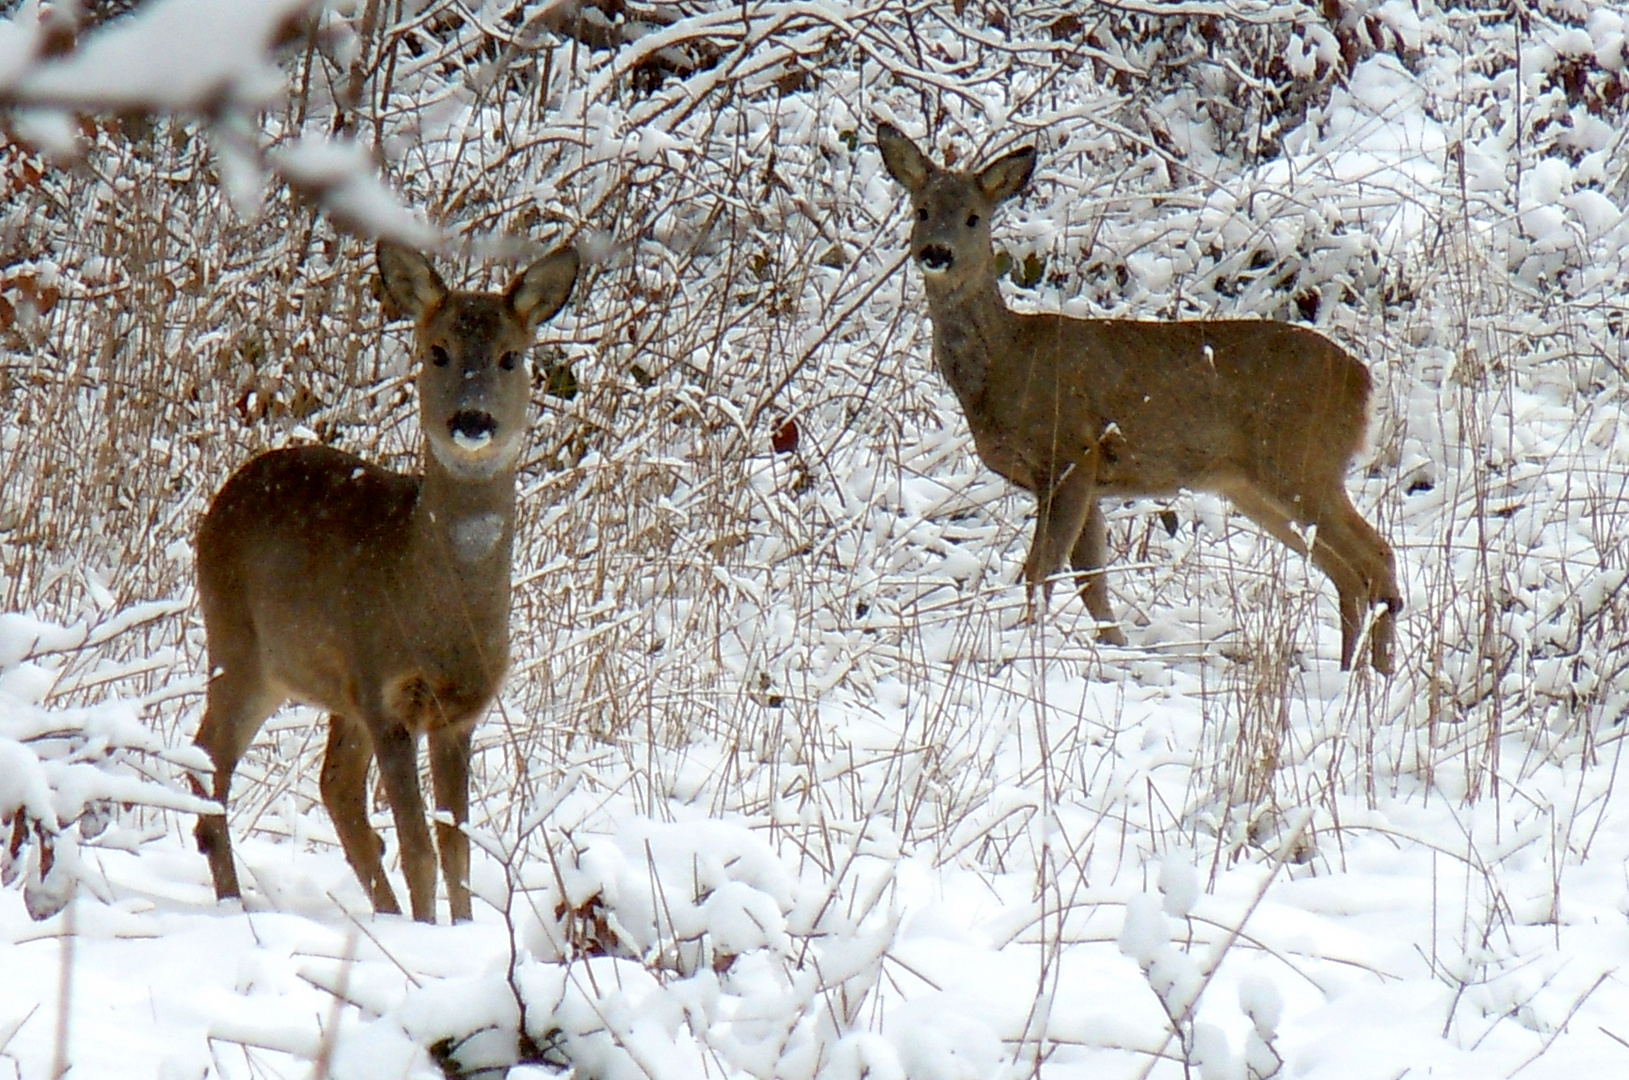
211,59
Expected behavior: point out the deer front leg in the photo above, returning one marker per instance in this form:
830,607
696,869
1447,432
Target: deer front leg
1061,515
344,787
396,751
449,773
1087,559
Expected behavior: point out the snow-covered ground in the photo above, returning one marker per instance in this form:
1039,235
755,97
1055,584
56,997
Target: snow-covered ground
782,784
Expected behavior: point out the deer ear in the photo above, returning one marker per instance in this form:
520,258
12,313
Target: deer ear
411,284
543,287
1006,176
905,162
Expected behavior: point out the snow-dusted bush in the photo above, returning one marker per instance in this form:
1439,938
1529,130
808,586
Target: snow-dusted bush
70,776
762,577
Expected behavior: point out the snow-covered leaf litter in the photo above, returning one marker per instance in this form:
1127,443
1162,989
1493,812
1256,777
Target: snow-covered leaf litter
825,650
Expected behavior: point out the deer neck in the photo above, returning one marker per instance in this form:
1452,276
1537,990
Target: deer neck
971,328
466,526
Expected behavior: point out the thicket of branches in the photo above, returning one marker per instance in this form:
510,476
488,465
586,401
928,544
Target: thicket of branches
752,522
747,489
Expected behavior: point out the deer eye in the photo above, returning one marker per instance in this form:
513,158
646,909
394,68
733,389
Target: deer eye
507,361
921,213
439,357
972,220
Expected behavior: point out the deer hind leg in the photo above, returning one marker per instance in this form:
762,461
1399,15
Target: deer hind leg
344,792
1087,558
449,774
1360,562
1060,519
238,703
1349,551
396,751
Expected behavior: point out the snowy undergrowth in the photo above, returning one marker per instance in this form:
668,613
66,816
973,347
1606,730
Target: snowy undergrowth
1423,932
782,783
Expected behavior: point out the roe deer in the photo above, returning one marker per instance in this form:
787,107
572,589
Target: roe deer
380,597
1072,410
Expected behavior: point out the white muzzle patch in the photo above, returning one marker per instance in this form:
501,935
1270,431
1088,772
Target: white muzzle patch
473,444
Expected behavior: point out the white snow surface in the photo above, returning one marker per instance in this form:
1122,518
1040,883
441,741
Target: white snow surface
809,799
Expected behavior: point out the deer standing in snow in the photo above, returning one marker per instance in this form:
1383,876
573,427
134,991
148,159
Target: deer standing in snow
1075,410
380,597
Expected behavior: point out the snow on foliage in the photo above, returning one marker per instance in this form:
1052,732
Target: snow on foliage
211,58
782,783
179,55
65,772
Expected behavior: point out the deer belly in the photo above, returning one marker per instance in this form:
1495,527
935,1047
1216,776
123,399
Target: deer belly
1002,457
1130,474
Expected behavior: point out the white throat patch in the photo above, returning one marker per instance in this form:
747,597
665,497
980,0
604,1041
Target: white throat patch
474,538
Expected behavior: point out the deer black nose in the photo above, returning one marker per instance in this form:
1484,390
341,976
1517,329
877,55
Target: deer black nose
472,425
935,257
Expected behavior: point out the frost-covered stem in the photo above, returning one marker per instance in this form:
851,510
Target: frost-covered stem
511,974
528,825
819,343
1219,953
65,992
1047,880
360,68
325,1051
1556,1030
